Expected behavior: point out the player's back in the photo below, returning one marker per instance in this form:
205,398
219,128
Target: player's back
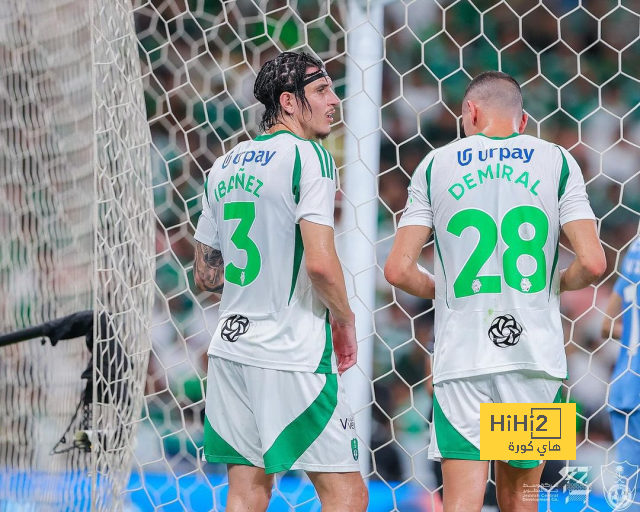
498,204
501,196
270,315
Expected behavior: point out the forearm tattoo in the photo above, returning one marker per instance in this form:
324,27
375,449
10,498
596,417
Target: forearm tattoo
209,268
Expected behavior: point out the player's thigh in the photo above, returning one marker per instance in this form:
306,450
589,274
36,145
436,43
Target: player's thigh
464,483
230,432
455,430
526,387
514,484
305,422
340,491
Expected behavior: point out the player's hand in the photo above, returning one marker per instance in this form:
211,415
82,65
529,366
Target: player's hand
345,345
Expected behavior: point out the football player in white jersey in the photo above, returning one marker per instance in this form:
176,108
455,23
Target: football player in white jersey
265,240
495,201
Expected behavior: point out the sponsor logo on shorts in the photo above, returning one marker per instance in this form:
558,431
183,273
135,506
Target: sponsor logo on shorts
234,327
348,423
505,331
354,448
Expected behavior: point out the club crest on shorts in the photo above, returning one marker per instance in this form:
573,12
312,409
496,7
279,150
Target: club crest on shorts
505,331
234,327
619,482
354,448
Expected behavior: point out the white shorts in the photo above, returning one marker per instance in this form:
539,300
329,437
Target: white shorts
456,409
278,420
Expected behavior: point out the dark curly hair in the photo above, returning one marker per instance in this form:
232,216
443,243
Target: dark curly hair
285,73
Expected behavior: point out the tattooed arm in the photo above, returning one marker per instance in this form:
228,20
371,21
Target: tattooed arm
208,268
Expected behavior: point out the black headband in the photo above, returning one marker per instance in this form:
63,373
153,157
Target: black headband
321,73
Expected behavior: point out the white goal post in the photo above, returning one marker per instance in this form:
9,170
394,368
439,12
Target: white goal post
111,114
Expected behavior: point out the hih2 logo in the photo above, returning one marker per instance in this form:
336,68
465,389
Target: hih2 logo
619,482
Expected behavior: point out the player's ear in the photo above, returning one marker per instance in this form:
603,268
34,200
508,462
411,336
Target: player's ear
287,101
523,122
473,112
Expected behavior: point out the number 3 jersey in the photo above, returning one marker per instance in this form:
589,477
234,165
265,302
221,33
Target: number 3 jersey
496,206
255,197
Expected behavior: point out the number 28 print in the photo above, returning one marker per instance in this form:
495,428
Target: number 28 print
468,282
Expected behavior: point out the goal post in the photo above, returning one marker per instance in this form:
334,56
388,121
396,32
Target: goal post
111,114
357,231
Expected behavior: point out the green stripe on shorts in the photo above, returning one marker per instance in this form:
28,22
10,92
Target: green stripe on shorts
451,443
217,449
298,435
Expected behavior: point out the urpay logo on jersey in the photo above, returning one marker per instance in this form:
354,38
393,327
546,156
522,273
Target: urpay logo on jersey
244,157
465,157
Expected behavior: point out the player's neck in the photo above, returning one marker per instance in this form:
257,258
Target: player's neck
289,127
499,129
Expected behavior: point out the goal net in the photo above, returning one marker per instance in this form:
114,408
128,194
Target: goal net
46,238
76,233
112,113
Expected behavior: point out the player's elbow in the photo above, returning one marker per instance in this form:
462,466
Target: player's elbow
394,273
319,272
595,265
598,268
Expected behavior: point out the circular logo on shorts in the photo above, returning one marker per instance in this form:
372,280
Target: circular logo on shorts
234,327
505,331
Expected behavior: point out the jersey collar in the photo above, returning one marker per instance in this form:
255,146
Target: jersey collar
267,136
514,134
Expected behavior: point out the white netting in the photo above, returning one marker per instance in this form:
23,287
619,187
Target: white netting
46,236
578,61
124,248
76,205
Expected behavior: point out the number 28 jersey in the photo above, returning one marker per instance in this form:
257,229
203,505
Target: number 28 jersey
496,206
255,197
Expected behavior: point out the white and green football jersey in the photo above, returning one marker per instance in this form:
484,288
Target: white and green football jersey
255,197
496,206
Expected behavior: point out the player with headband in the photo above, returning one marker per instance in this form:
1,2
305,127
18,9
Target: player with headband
265,241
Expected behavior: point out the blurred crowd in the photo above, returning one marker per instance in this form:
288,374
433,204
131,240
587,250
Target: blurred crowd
579,66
